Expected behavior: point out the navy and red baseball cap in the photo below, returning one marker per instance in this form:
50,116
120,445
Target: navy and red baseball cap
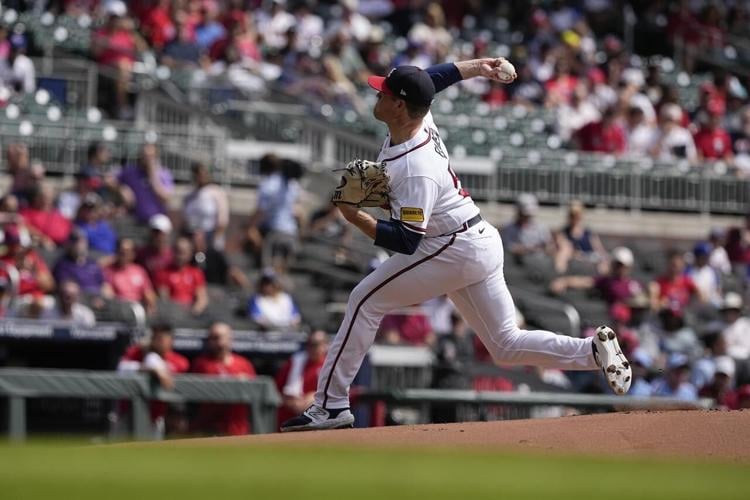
410,83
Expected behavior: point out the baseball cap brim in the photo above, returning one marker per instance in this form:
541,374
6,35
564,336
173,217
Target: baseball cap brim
378,83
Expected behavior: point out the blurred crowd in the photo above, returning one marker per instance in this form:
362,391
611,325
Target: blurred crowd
575,59
110,239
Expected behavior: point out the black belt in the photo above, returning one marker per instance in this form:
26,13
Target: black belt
466,225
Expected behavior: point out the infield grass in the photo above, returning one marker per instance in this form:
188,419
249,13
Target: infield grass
64,472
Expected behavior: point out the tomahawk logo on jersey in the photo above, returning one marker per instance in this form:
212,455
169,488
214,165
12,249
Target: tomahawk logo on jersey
426,196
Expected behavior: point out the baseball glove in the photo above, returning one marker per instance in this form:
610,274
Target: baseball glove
364,184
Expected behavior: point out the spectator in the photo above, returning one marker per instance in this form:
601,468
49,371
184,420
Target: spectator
22,75
297,380
410,327
674,142
68,307
160,360
675,336
712,142
439,312
432,34
146,186
525,235
273,228
674,288
157,26
736,329
128,280
707,279
68,202
206,208
76,265
741,143
579,113
352,24
271,307
117,45
45,222
219,360
641,386
210,30
183,51
156,255
34,278
718,258
214,263
675,382
720,387
309,27
18,165
603,136
98,231
641,135
275,24
616,287
576,241
182,282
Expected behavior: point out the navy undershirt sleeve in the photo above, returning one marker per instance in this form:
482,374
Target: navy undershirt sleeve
444,75
394,236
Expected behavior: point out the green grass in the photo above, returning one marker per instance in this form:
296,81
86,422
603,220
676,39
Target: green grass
263,472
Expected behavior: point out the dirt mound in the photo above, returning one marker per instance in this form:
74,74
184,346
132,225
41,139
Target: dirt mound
704,434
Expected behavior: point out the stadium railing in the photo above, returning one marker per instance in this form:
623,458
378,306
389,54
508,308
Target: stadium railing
18,385
493,405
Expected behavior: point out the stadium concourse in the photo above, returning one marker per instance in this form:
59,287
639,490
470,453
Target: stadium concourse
129,228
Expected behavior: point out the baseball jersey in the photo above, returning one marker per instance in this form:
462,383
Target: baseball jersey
426,195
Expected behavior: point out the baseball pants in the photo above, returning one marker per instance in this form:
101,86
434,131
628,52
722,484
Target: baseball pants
468,267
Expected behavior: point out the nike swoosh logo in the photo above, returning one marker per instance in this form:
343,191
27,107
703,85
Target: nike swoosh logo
481,231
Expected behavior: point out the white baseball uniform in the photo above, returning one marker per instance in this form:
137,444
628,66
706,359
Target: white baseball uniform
466,263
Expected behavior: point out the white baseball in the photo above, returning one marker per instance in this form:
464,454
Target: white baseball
506,72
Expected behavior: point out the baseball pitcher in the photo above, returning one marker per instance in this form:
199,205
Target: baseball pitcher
441,245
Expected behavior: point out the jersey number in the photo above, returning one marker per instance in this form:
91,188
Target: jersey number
457,183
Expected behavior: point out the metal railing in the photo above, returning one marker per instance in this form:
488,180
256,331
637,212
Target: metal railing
493,405
18,385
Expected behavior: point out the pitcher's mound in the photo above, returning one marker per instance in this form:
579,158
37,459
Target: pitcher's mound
706,434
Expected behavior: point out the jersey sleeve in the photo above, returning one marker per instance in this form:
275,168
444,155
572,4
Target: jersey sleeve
412,202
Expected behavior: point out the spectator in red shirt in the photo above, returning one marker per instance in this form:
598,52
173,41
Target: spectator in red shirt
219,360
407,327
46,222
35,279
712,141
604,136
674,289
156,255
182,282
117,45
297,380
128,280
158,26
159,359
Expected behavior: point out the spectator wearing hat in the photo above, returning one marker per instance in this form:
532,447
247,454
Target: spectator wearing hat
156,254
706,278
206,208
69,201
297,380
641,364
576,241
617,286
674,141
675,336
147,185
712,142
128,280
674,288
271,307
720,387
218,360
736,330
45,222
34,277
675,382
525,235
76,265
182,282
98,231
22,75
